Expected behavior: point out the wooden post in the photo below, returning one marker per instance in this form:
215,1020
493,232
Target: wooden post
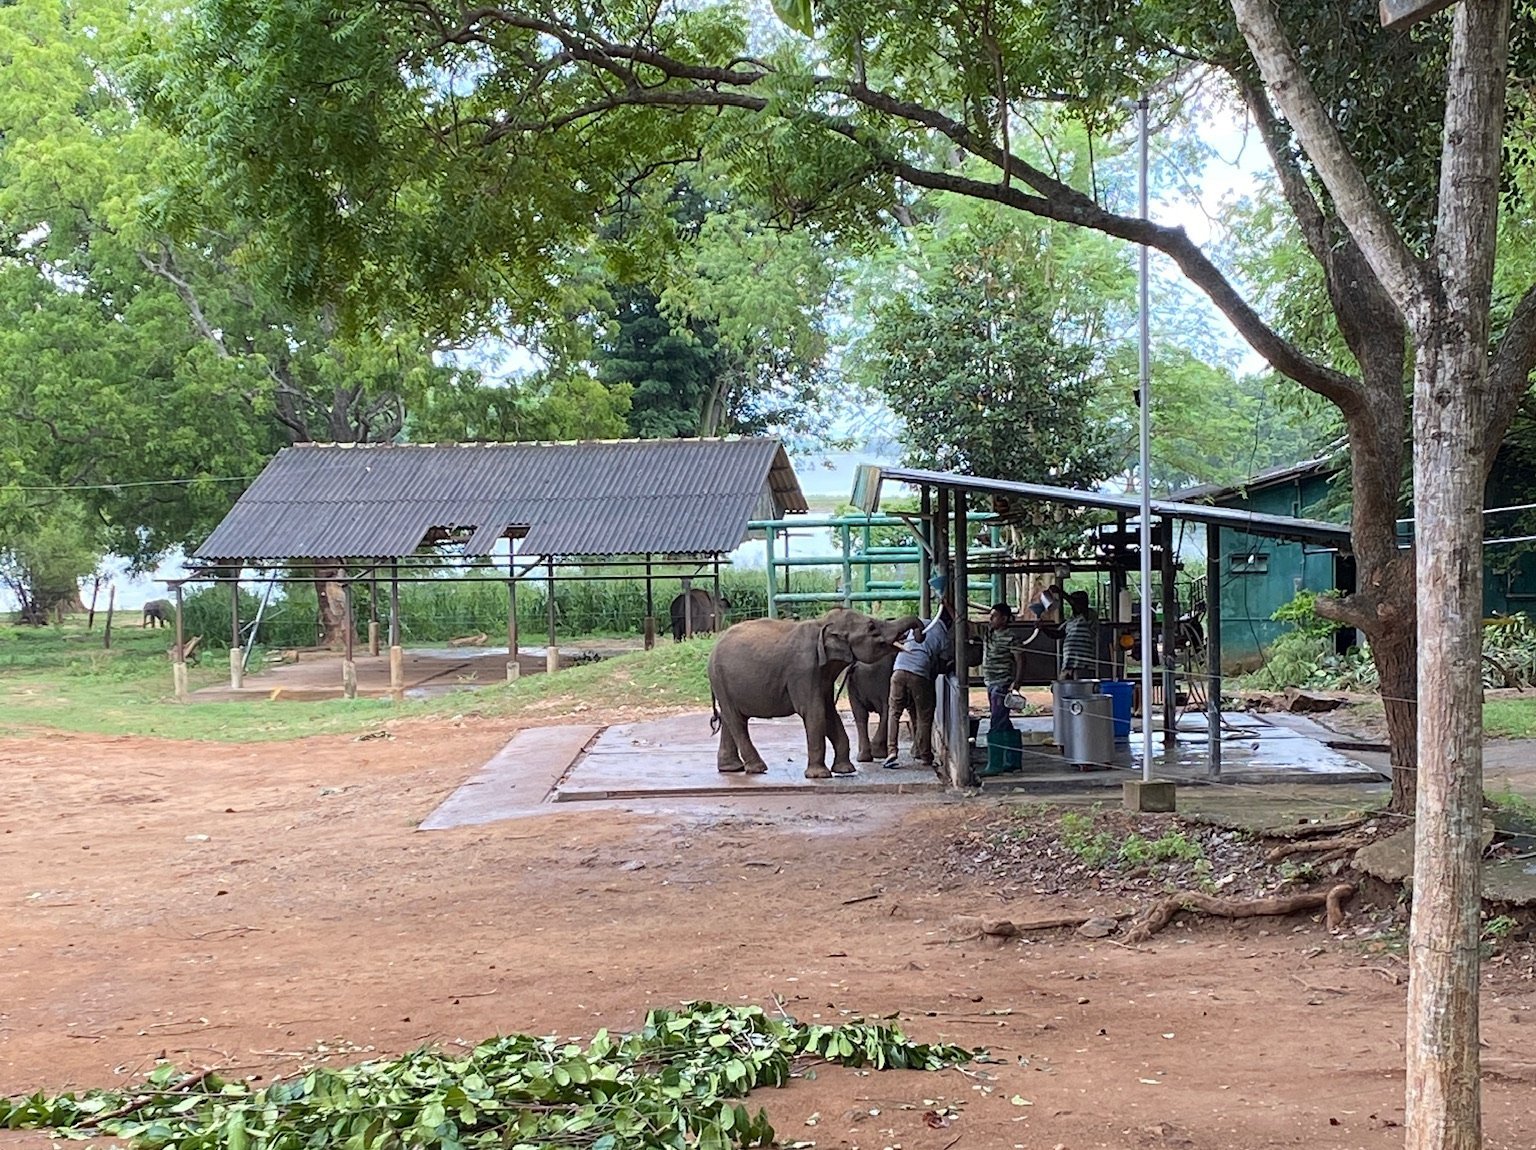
106,631
348,665
959,584
236,656
769,537
847,541
687,608
1213,648
179,654
719,603
514,669
924,551
396,653
373,611
552,649
650,606
1170,632
90,615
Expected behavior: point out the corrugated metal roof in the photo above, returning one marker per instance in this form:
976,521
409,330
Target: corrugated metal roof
611,497
1251,522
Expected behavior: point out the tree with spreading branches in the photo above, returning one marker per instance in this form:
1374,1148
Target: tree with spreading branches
443,158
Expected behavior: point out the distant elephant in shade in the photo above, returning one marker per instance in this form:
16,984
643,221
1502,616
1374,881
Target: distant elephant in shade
770,668
708,613
869,693
158,612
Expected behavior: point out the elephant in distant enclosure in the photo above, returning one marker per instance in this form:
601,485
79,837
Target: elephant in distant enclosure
769,668
159,612
869,693
708,613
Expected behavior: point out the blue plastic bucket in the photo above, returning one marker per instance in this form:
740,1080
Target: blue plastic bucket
1123,694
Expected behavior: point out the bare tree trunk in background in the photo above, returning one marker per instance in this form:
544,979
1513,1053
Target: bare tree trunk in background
331,599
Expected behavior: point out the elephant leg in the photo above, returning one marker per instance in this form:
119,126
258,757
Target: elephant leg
751,759
861,715
815,718
842,764
728,758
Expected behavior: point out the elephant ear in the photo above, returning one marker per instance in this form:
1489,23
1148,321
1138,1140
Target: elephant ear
840,649
821,647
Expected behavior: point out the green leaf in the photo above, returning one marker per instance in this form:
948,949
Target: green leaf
797,14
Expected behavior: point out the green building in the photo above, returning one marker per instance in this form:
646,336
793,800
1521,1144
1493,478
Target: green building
1259,576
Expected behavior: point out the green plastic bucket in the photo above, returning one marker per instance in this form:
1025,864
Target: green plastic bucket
1004,750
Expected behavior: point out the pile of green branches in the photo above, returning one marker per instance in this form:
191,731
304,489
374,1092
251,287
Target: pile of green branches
673,1084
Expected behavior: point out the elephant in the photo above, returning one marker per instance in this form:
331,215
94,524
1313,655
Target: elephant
708,614
770,668
158,612
869,693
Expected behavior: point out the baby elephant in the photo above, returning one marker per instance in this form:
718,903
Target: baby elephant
158,612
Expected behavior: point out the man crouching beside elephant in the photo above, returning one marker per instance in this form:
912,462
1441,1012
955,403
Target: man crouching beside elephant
770,668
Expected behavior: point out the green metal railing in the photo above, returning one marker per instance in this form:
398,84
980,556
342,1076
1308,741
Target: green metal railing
858,583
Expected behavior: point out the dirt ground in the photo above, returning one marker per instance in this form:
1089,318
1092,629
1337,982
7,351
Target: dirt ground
259,908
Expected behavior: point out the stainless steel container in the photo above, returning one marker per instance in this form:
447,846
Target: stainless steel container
1061,691
1090,731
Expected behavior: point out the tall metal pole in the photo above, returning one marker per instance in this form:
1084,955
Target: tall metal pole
1145,462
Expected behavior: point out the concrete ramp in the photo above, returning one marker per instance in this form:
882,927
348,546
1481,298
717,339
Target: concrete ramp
517,780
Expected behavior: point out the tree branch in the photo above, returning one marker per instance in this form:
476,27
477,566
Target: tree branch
1400,271
1509,373
162,268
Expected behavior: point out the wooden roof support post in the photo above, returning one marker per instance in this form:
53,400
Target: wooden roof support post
514,669
959,583
650,606
925,549
373,611
719,610
1169,632
396,653
552,650
236,655
1213,648
179,654
349,635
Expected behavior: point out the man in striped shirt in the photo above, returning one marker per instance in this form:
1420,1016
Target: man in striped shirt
1080,640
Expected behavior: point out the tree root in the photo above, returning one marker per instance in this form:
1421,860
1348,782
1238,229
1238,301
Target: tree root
1315,830
1161,914
1001,928
1311,845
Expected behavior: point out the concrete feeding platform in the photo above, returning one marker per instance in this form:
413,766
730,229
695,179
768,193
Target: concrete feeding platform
1254,749
674,757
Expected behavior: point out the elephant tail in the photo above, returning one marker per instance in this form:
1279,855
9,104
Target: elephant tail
714,714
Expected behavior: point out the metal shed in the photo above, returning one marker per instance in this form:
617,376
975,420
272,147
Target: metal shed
678,505
944,511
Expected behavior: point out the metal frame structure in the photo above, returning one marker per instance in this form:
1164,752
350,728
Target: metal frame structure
947,495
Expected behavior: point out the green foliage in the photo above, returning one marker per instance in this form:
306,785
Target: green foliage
1301,614
973,362
1513,803
1499,927
1081,834
673,1084
45,551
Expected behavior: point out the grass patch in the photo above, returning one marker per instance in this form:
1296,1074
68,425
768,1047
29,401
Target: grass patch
59,678
1509,718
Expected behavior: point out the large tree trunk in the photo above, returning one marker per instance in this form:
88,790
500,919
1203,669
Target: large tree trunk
1396,656
331,599
1452,397
1443,1104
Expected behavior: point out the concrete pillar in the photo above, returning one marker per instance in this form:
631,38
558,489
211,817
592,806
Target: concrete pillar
513,668
179,654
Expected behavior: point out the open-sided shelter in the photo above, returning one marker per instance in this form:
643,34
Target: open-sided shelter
677,505
945,521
